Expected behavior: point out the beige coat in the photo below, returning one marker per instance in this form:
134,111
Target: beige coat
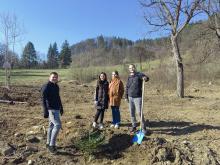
116,91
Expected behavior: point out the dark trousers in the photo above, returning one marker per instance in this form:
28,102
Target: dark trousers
100,112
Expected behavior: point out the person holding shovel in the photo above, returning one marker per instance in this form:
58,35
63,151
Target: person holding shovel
101,99
116,91
52,107
134,96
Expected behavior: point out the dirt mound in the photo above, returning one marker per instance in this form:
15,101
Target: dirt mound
29,94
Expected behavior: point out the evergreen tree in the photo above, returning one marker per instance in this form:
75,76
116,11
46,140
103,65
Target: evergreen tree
52,56
56,55
101,42
65,55
29,56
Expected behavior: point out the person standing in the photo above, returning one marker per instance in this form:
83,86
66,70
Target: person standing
134,95
116,91
52,107
101,99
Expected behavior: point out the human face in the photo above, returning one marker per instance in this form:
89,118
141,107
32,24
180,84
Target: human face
131,69
102,77
113,75
53,78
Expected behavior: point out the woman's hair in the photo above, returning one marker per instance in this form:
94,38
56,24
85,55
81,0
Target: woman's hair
99,80
116,72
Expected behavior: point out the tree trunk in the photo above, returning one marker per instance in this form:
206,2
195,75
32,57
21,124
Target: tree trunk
140,62
179,66
217,26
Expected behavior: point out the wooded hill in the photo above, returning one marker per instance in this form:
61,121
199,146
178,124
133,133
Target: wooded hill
198,44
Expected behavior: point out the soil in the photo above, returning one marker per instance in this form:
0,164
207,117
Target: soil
181,131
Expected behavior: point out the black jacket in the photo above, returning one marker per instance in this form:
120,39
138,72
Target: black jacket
51,98
134,85
101,94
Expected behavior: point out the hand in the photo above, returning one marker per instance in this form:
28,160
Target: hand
61,112
46,113
145,78
96,103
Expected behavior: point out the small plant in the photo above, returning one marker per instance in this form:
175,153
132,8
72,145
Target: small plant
90,142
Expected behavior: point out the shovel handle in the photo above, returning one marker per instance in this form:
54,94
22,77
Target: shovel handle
142,103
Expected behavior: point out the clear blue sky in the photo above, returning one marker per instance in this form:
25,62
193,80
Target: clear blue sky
49,21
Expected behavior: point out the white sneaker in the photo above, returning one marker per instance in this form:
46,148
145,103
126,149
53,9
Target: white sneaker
94,124
112,125
116,126
101,126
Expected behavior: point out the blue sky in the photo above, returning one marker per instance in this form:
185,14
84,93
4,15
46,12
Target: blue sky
49,21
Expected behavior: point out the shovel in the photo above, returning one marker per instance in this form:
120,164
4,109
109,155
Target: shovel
138,137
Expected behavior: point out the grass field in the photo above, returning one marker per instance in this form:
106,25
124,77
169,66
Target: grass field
32,76
36,76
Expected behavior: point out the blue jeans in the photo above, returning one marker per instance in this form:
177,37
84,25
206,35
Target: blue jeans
116,118
54,127
135,105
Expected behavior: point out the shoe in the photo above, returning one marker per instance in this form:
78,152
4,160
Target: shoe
133,130
144,131
101,126
94,124
112,125
52,150
116,126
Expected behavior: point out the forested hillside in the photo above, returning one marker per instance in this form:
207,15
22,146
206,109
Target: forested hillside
199,47
197,42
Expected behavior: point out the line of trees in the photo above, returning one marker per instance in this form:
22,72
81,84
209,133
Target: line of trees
30,58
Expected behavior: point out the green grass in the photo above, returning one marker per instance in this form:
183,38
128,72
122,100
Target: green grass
39,76
32,76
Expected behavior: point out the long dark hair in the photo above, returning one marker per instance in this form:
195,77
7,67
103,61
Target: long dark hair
99,80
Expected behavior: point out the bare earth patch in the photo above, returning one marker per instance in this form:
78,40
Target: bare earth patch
183,131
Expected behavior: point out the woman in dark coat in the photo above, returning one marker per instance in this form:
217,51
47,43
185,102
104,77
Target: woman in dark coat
101,99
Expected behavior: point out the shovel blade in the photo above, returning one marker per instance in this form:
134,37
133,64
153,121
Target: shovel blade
138,137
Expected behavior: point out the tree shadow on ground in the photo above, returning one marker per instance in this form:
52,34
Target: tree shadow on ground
193,97
177,128
113,149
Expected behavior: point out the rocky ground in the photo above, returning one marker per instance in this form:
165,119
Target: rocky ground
183,131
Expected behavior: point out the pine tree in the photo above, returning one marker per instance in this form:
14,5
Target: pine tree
56,55
29,56
52,56
65,55
101,41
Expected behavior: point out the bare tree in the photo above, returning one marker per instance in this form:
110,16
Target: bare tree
11,31
212,9
172,16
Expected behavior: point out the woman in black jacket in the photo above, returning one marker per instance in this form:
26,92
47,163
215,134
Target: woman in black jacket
101,99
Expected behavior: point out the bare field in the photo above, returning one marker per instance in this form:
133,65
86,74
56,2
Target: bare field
183,131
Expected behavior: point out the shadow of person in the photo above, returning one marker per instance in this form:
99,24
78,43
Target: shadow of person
113,149
153,124
177,128
68,151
